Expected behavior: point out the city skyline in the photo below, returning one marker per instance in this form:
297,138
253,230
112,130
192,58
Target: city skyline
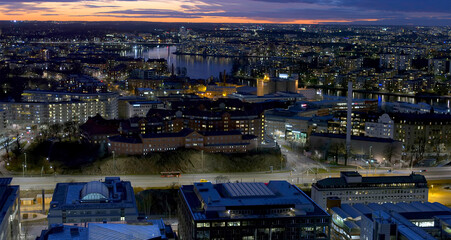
235,11
224,130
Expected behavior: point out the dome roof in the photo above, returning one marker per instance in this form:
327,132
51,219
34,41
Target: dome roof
94,190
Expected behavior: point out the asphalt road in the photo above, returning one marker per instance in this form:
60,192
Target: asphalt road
145,181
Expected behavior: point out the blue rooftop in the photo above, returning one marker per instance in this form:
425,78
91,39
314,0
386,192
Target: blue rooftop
400,213
214,201
8,195
111,193
153,229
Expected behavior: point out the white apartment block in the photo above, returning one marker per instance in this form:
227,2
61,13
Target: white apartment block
352,188
109,100
383,128
27,114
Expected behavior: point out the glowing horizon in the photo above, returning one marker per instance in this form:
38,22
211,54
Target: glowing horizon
232,11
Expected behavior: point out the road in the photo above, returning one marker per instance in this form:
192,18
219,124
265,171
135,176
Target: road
145,181
296,161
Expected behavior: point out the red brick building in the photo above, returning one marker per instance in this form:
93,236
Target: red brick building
218,141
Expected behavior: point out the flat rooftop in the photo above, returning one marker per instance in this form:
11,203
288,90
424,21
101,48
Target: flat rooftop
112,193
386,181
8,195
215,201
153,229
401,213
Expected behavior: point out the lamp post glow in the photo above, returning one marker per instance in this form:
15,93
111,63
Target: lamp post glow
114,161
24,165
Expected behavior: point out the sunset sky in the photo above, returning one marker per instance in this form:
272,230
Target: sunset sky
417,12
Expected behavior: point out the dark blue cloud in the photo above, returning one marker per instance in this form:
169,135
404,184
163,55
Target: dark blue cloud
381,5
151,13
24,8
282,15
422,12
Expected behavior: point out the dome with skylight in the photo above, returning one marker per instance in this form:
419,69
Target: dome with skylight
94,191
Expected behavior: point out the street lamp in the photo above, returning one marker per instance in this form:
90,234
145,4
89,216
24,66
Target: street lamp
114,161
24,165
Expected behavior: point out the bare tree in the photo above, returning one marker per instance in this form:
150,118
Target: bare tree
338,149
18,137
420,148
437,144
70,128
389,152
7,144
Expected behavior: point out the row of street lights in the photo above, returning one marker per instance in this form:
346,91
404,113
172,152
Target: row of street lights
24,166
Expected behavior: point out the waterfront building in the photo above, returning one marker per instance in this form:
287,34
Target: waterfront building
270,85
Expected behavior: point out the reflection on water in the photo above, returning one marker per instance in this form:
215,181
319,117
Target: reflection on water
445,103
196,66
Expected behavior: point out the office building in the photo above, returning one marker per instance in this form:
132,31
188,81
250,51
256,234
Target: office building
10,210
141,108
359,120
352,188
386,221
112,201
287,124
276,210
